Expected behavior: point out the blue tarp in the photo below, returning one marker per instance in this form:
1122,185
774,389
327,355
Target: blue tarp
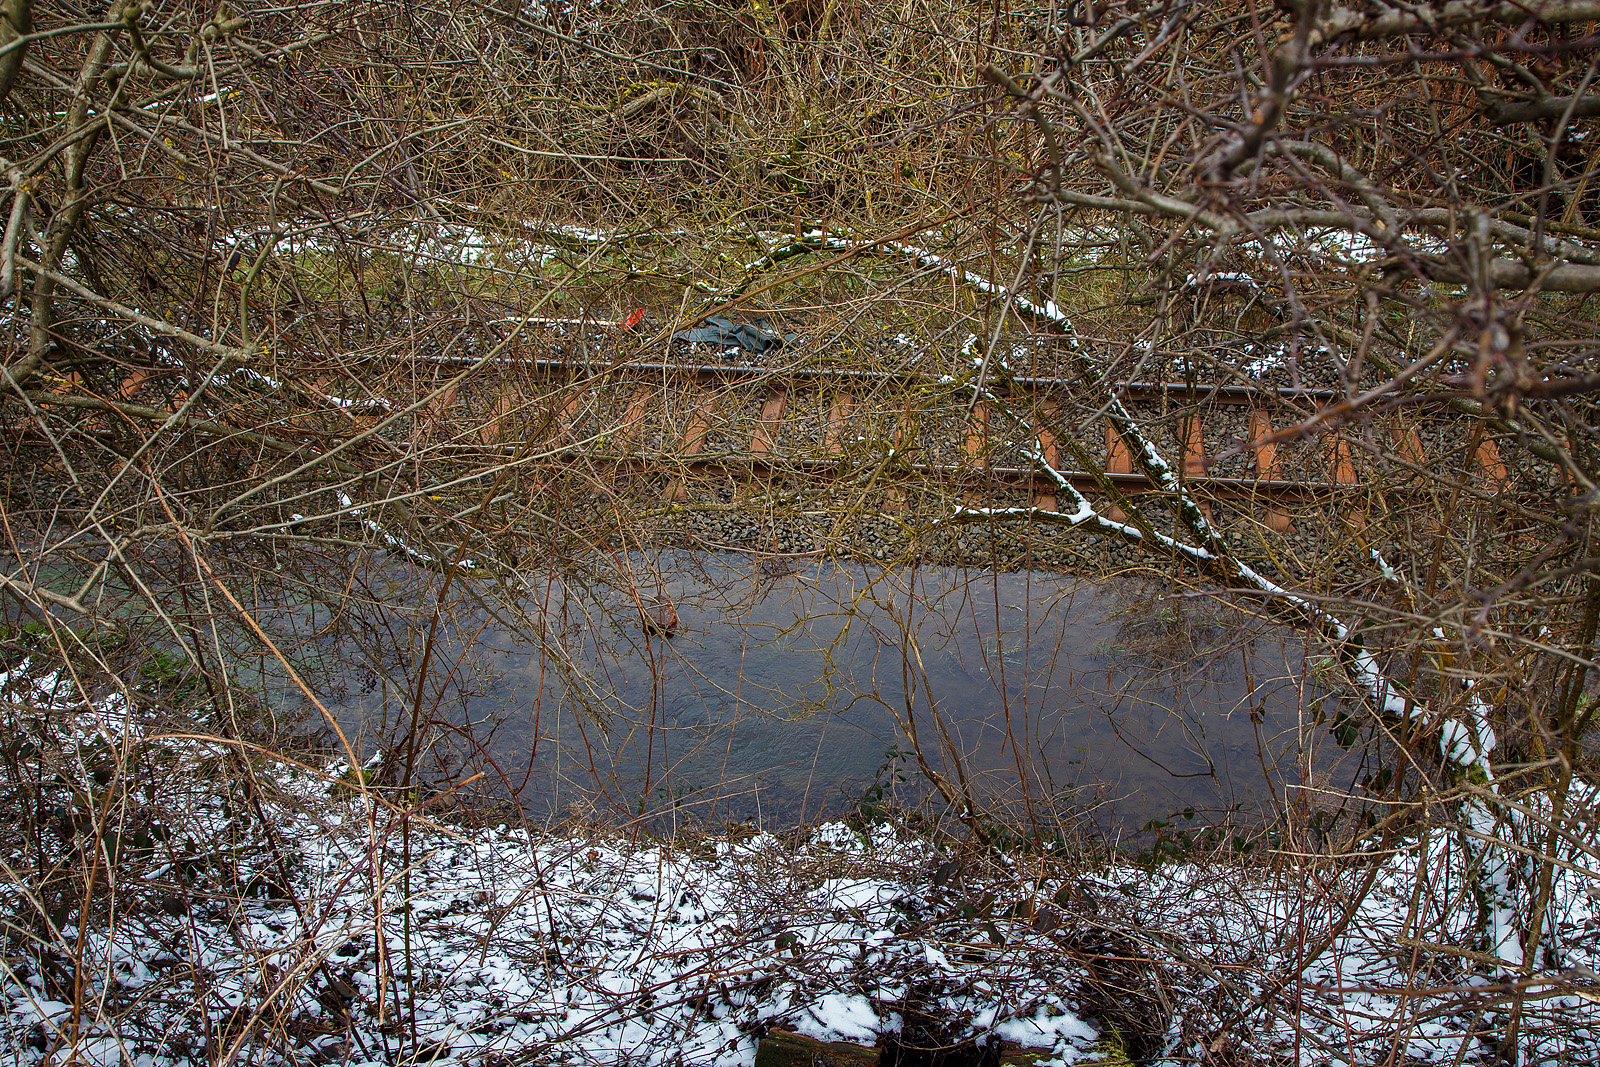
723,332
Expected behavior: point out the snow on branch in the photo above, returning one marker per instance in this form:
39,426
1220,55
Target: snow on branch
396,544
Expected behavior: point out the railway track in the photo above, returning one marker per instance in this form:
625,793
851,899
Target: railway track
895,440
802,458
704,427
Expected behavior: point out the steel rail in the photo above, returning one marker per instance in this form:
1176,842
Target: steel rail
749,467
1227,393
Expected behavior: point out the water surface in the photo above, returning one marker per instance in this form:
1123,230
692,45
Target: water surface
790,689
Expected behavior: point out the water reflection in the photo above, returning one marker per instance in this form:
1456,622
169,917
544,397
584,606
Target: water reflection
787,689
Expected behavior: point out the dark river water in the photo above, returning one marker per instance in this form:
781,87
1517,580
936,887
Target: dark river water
791,690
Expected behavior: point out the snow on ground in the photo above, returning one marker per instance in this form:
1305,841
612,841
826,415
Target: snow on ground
594,948
229,937
304,921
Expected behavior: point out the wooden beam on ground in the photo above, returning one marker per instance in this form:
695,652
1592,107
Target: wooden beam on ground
633,418
764,440
434,410
694,441
1045,499
1342,469
1488,460
782,1048
1194,456
1341,463
569,416
977,438
1408,443
977,448
1268,467
505,402
833,432
1118,461
894,497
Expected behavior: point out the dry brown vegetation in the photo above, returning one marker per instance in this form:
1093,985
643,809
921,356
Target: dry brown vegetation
277,281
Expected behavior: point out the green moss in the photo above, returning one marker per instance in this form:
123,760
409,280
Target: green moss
1111,1050
351,781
